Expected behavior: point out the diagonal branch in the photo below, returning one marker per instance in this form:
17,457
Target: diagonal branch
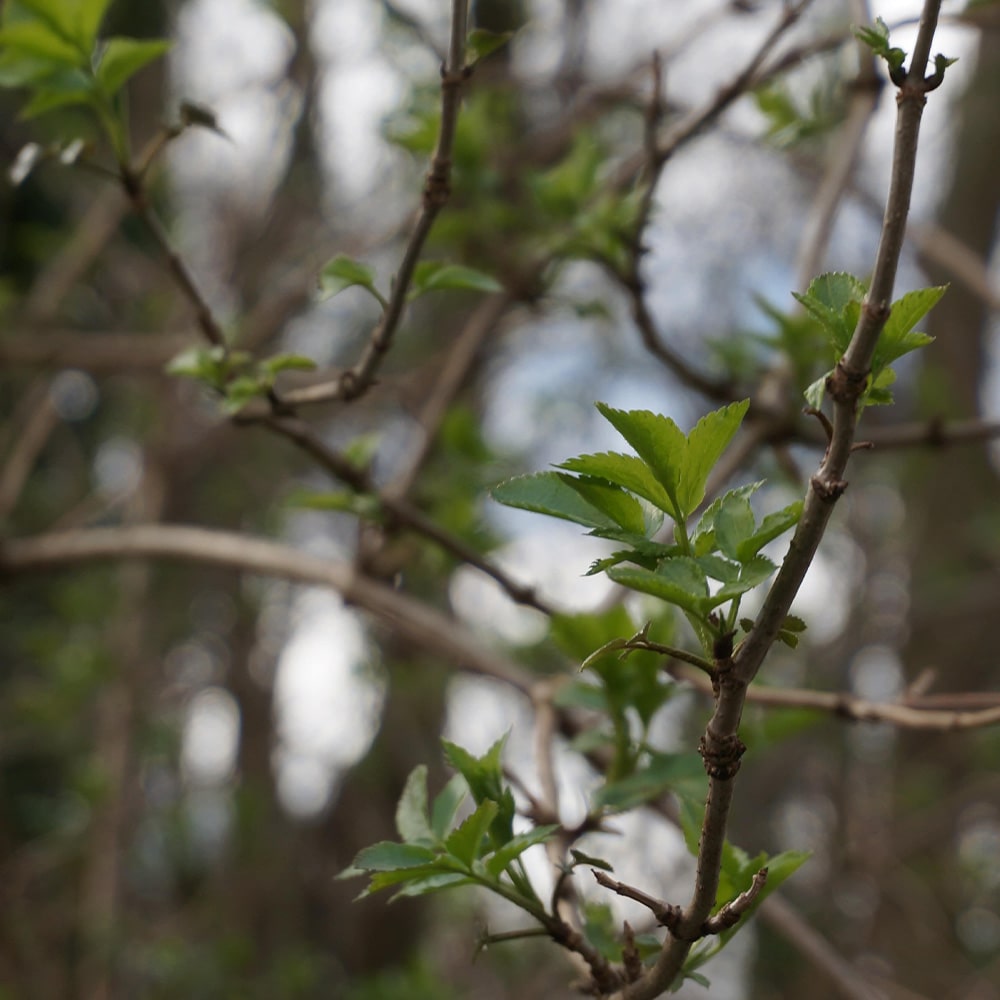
356,381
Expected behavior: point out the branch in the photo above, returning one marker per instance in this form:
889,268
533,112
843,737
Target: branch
720,746
100,353
908,714
425,627
358,380
398,508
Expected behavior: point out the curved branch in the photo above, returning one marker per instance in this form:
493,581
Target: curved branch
420,624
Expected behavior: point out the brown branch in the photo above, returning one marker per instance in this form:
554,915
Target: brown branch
665,914
33,422
915,712
720,747
424,626
100,353
356,381
398,509
132,183
729,915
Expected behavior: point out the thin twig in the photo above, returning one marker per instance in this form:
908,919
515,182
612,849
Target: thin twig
918,712
399,509
356,381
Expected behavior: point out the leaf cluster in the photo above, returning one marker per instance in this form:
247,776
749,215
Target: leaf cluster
440,851
235,375
834,300
625,499
51,48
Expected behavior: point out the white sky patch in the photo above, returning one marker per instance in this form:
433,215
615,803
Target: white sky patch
210,737
327,706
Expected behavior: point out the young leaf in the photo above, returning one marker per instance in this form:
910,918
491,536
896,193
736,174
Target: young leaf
434,275
122,58
345,272
770,528
835,300
660,443
412,822
627,471
621,507
467,841
482,43
287,362
579,858
387,856
734,524
752,574
549,493
663,774
37,40
687,594
705,444
446,804
497,862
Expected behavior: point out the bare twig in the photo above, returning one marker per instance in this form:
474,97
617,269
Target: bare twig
916,712
437,189
398,509
35,419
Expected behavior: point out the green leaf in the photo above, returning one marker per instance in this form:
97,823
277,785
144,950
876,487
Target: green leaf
346,501
65,89
446,804
717,568
482,43
122,58
387,856
89,15
621,507
703,537
431,883
770,528
579,858
835,300
412,822
435,275
663,774
626,471
497,863
814,393
675,585
660,443
752,574
484,776
552,494
707,441
207,364
467,842
287,362
734,524
37,40
345,272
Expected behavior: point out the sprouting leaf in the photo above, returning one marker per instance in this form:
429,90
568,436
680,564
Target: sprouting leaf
707,441
287,362
514,848
467,841
770,528
122,58
835,300
549,493
482,43
484,776
665,772
345,272
734,524
412,821
627,471
876,37
387,856
579,858
686,588
703,536
752,574
659,442
814,393
435,275
445,805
